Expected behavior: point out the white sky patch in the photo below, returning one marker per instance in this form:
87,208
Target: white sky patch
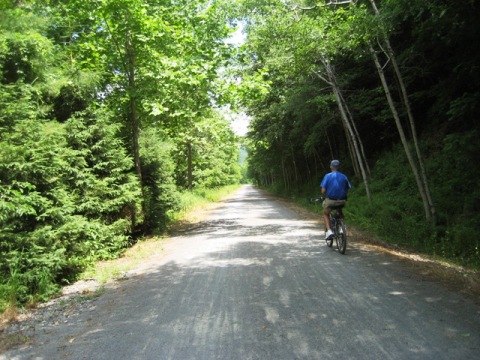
239,122
238,37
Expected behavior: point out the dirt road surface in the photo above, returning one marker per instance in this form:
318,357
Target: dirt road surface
256,281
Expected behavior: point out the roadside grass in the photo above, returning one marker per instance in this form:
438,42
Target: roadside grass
105,271
193,209
194,202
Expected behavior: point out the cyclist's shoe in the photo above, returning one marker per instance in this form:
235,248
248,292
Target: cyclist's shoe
328,234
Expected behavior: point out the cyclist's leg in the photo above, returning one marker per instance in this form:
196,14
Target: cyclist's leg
339,204
326,219
326,215
342,237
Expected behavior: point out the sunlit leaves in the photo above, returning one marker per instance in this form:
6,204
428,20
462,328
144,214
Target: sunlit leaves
72,73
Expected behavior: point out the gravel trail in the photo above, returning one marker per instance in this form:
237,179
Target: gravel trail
256,281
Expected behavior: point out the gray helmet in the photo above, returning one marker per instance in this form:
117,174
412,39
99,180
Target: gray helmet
335,163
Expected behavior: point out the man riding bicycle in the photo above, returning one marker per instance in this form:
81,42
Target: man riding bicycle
335,186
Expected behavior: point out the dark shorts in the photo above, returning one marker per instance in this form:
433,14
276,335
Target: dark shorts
328,203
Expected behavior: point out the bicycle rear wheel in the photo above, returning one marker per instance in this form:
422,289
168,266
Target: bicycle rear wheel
341,237
329,241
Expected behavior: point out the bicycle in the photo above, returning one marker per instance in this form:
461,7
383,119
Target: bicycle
338,226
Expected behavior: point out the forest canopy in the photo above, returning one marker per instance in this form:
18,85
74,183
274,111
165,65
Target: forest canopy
388,87
109,112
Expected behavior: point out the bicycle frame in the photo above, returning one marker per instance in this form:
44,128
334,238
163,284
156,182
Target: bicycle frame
338,226
339,229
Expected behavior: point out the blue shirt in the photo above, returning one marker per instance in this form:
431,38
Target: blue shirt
336,185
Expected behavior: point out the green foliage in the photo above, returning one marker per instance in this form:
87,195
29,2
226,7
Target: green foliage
68,198
217,154
295,130
77,79
104,179
214,153
198,198
159,190
24,50
457,192
396,211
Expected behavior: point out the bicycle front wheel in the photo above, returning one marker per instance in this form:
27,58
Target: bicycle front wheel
341,237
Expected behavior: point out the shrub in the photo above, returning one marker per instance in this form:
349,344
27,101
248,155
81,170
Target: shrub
159,191
68,197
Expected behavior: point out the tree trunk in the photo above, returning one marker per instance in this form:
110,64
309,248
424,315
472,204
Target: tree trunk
357,135
284,172
329,144
294,162
318,160
347,123
133,107
406,103
189,166
355,160
307,163
398,123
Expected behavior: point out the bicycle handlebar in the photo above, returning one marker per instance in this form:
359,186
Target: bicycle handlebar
317,199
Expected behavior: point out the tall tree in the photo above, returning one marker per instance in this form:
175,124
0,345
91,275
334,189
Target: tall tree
382,38
420,175
158,58
292,43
